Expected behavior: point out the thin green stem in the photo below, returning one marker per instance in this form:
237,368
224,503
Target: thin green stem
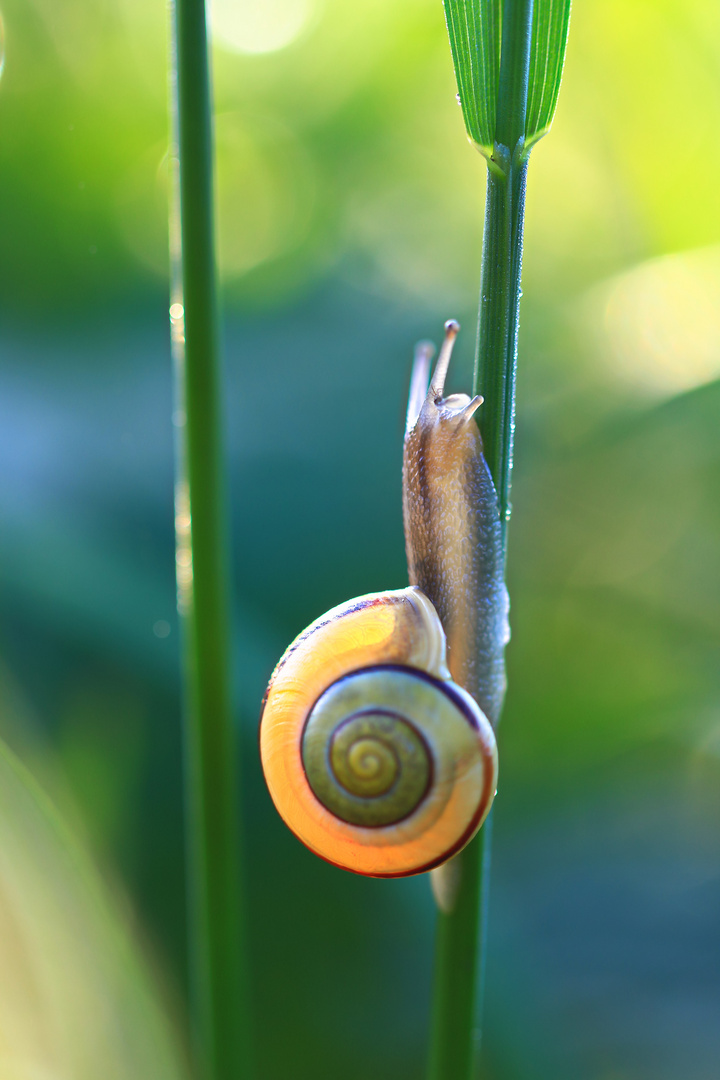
514,72
460,948
498,321
499,312
219,999
459,969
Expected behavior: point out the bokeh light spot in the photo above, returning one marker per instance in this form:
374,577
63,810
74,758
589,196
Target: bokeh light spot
259,26
662,323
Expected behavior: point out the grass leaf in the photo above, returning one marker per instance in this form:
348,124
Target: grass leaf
551,19
77,998
475,31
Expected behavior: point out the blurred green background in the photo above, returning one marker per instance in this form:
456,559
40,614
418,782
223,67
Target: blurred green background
350,208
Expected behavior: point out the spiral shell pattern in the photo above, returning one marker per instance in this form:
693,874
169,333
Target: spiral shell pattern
373,756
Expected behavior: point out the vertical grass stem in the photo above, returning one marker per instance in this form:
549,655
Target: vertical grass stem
498,321
460,948
456,1016
219,999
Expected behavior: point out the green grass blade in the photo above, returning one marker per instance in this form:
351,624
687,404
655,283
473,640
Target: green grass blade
77,998
551,20
219,981
474,28
504,98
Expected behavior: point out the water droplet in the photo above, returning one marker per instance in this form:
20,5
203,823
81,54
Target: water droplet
2,44
161,628
457,98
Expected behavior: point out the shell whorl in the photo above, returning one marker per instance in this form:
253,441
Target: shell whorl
373,756
367,765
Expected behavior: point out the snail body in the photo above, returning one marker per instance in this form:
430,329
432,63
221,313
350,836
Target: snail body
453,537
376,736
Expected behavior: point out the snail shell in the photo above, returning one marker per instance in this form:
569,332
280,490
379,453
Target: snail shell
374,757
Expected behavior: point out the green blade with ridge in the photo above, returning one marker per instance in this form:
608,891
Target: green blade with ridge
551,20
475,32
77,996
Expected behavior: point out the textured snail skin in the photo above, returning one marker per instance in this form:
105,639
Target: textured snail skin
391,637
452,529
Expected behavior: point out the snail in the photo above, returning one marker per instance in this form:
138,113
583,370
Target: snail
376,733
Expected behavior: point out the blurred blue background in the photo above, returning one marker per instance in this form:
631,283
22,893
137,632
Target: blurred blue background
349,226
